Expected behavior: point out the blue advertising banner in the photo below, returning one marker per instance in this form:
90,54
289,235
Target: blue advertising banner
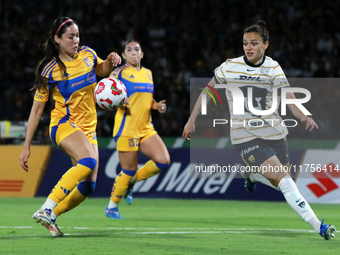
176,182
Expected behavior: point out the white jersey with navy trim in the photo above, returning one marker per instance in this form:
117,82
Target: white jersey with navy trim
262,78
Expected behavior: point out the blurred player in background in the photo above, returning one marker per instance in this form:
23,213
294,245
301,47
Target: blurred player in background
133,130
68,71
262,145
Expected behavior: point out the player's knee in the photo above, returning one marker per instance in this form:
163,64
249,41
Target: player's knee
86,188
88,162
163,167
163,159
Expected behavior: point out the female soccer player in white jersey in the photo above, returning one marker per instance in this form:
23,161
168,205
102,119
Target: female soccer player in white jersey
133,130
262,144
68,71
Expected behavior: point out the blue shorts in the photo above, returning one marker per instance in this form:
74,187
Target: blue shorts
257,151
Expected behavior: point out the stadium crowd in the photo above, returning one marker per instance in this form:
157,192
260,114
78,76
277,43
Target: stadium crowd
182,39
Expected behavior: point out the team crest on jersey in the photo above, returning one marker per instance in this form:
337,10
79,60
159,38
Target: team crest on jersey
134,142
149,76
88,62
264,70
251,158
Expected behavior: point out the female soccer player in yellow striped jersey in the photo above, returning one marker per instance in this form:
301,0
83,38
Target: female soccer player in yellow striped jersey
68,71
133,130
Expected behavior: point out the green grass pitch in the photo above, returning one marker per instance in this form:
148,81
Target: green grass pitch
167,226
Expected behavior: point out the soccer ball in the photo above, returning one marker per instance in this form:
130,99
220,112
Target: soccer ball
110,93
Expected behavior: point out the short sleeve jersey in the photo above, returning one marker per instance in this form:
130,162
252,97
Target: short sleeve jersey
74,93
263,79
134,120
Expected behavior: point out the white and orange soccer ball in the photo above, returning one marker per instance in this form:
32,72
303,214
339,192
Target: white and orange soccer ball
110,93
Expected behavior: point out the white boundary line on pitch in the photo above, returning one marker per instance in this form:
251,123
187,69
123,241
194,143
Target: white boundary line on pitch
160,231
199,229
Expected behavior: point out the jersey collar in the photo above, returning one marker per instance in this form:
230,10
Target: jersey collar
252,65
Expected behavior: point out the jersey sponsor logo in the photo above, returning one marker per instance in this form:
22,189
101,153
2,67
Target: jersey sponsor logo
87,62
77,83
150,87
246,151
139,87
249,78
91,77
131,76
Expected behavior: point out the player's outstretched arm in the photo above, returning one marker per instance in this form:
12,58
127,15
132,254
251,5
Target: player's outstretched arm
190,126
310,123
105,68
33,121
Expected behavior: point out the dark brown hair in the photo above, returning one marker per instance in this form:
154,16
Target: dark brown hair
127,42
51,49
259,27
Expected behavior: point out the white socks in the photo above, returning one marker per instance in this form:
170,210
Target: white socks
50,205
298,203
112,204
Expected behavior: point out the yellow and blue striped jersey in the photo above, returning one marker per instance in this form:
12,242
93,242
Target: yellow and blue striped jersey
73,94
134,120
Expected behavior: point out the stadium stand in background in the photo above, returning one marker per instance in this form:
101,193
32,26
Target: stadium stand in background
182,39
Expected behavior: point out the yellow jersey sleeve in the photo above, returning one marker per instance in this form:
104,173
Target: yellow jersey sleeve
41,96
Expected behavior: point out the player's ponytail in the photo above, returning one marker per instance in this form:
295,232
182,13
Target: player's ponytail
51,50
259,27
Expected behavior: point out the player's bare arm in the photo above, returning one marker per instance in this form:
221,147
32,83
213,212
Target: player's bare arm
190,126
33,121
310,123
105,68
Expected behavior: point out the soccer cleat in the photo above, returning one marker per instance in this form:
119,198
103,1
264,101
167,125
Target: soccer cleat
128,194
113,213
248,184
54,229
326,231
43,217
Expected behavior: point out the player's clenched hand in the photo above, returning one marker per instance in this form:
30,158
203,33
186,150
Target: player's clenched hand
161,106
23,159
188,129
310,123
115,58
